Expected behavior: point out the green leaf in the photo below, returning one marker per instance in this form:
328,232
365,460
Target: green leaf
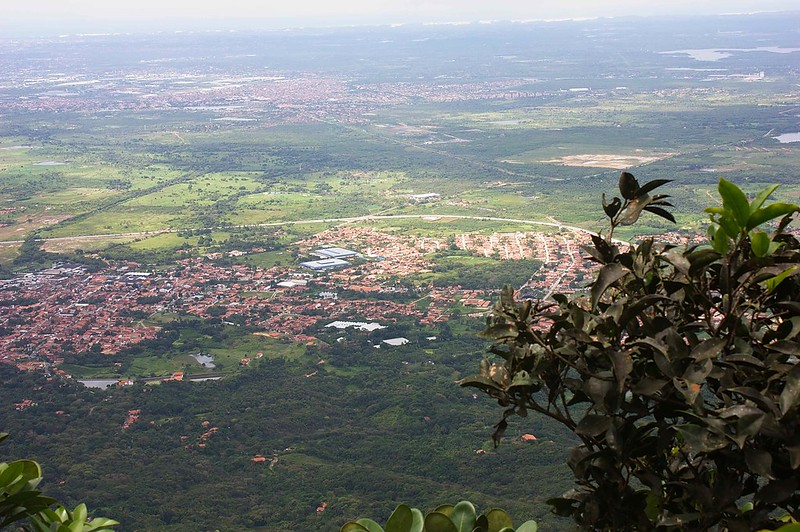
761,197
438,522
770,212
729,226
759,243
608,275
10,475
100,522
791,527
446,509
719,241
772,283
464,516
352,526
734,200
521,378
498,519
400,520
79,514
528,526
370,525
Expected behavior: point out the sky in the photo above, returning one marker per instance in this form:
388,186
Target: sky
59,16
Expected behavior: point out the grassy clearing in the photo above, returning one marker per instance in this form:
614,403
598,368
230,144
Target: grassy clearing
162,241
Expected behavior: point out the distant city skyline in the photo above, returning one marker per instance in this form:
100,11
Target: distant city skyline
40,17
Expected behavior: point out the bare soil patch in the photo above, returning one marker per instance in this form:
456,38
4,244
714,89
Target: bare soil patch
616,161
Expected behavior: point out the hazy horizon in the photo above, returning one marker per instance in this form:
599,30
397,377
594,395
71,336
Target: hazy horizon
52,17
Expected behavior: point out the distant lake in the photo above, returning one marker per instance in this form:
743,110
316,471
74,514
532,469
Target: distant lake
49,163
788,137
715,54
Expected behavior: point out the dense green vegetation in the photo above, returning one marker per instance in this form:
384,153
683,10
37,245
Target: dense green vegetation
679,373
370,428
478,273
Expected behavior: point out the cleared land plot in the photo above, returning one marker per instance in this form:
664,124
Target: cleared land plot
617,161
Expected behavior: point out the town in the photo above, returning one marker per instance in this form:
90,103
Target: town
63,309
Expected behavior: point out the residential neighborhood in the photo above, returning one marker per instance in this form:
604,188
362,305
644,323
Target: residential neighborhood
67,309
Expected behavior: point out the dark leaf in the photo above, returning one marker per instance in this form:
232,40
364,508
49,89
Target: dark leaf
660,212
563,507
708,349
593,425
499,430
598,390
649,386
608,275
623,365
628,186
694,436
652,185
776,491
750,360
611,209
701,258
787,347
757,397
479,381
791,391
634,210
759,462
503,330
605,251
794,456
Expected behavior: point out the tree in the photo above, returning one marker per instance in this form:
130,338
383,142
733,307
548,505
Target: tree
679,372
21,501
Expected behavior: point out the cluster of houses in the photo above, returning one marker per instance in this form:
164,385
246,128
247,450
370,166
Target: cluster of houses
66,309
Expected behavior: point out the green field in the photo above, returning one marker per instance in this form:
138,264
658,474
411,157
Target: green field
533,162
